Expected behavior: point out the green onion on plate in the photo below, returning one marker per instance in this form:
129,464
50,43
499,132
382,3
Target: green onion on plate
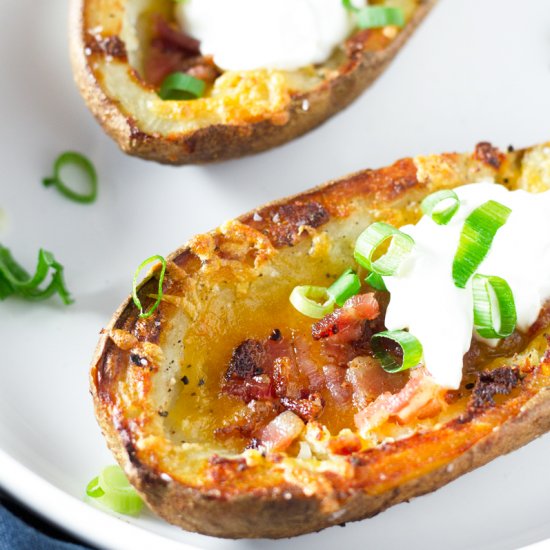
112,490
71,158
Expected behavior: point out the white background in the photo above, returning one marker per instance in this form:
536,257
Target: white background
476,70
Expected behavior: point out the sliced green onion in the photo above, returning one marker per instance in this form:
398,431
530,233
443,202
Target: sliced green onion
478,232
375,17
375,281
87,168
112,490
137,301
349,6
14,279
441,206
495,313
181,86
346,286
93,489
371,242
409,344
313,301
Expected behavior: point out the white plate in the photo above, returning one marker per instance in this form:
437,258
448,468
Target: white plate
474,71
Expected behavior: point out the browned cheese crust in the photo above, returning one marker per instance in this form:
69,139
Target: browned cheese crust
215,282
118,99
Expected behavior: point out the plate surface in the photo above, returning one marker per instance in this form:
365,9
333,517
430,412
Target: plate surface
474,71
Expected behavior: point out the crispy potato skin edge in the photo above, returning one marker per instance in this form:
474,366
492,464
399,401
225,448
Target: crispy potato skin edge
285,510
222,142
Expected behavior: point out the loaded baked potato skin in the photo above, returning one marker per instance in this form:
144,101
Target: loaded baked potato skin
230,284
105,51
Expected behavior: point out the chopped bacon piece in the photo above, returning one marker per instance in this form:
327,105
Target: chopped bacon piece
335,378
279,434
287,380
246,361
173,38
307,365
346,323
257,387
308,409
421,397
249,422
368,380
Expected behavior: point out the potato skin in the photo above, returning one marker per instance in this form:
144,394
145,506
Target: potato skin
219,142
240,497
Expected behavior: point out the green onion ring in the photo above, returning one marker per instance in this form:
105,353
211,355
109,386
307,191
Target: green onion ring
178,86
346,286
375,17
495,313
76,159
409,344
312,301
375,236
93,489
478,232
137,301
441,206
112,490
376,281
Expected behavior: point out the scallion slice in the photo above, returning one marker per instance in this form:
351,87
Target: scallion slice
375,17
313,301
494,307
370,245
177,86
441,206
410,347
14,279
87,168
346,286
112,490
478,232
137,301
375,281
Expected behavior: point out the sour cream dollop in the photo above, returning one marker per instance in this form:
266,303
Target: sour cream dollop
270,34
424,298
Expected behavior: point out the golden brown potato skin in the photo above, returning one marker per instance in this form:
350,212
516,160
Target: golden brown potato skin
364,61
274,496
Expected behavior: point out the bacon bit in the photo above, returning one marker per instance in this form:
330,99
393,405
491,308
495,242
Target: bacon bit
307,409
345,443
421,397
287,380
368,380
246,361
257,387
279,434
346,322
307,366
250,421
335,379
174,38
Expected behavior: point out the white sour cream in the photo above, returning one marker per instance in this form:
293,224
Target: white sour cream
271,34
424,298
